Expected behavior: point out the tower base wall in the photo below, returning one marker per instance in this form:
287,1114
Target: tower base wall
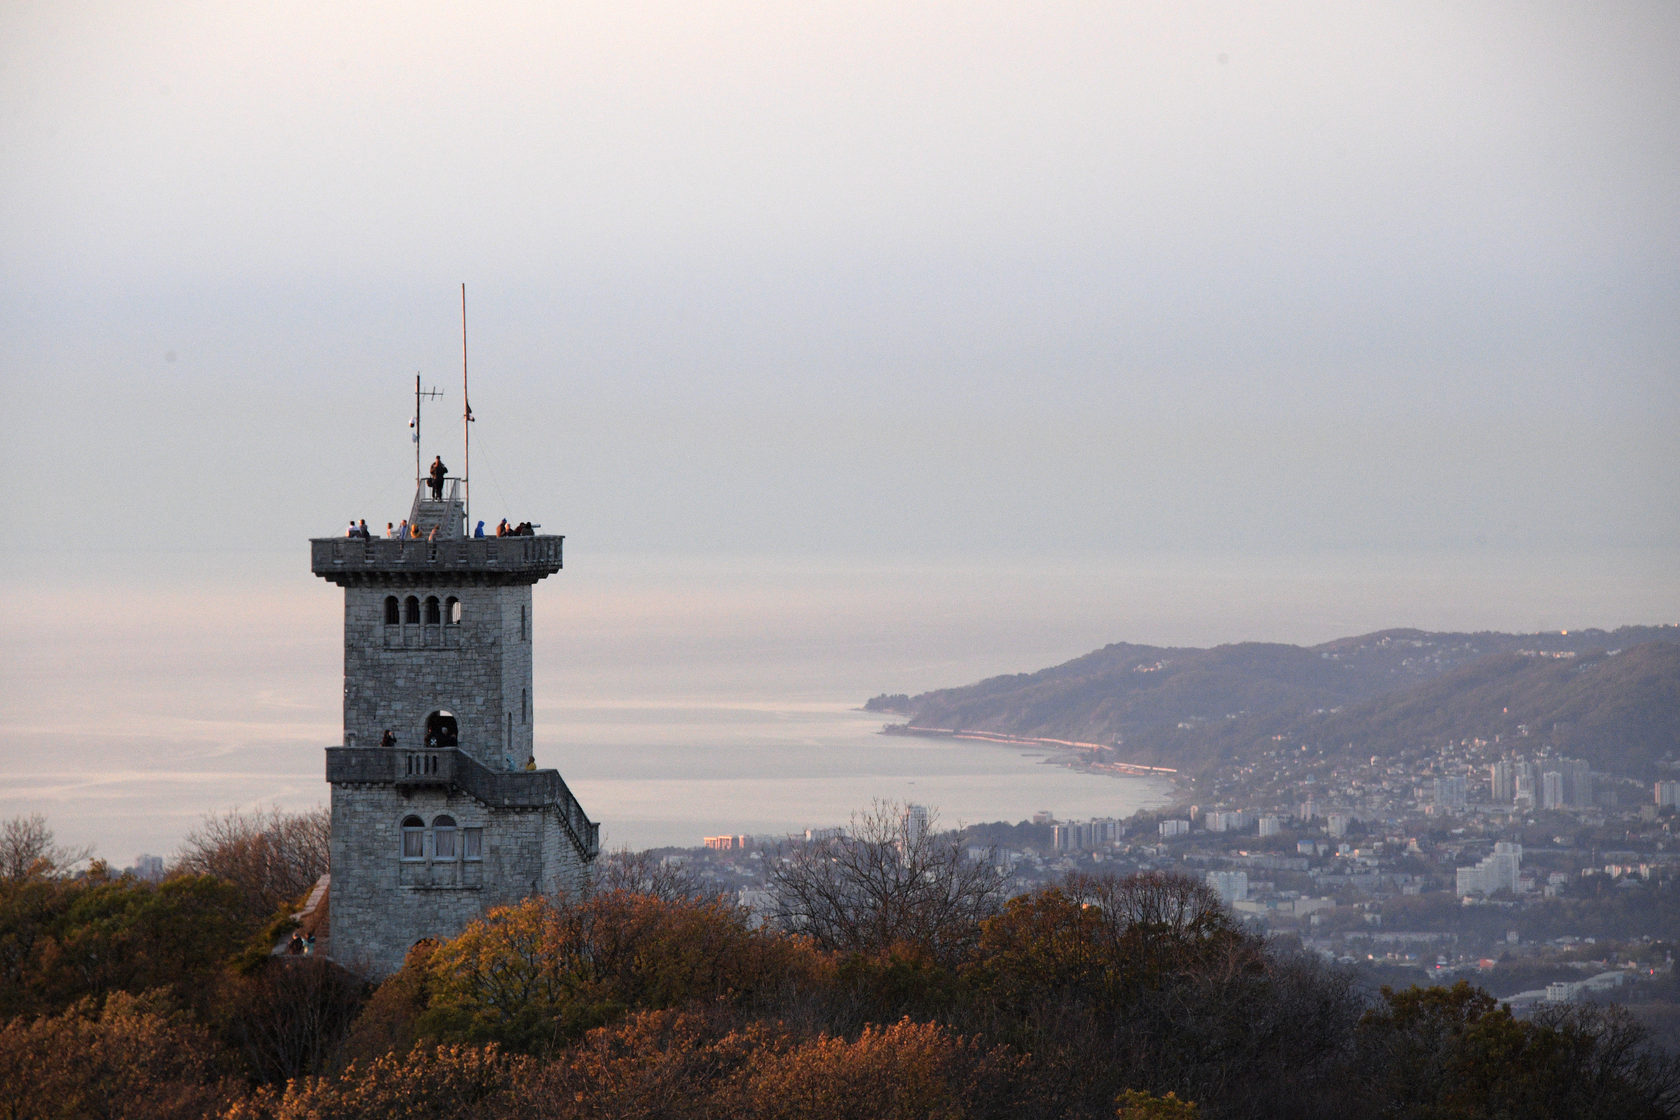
383,903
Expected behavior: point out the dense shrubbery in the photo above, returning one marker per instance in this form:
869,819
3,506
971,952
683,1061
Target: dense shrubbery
1098,997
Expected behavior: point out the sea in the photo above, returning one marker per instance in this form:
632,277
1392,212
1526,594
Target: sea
680,697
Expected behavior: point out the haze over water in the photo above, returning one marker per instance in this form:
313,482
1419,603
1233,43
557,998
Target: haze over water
679,697
856,348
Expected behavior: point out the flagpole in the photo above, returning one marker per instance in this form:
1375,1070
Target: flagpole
466,418
417,430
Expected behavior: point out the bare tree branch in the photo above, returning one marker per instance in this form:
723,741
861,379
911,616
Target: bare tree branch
273,857
891,879
641,873
28,851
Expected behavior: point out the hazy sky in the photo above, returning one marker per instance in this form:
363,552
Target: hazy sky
854,347
853,279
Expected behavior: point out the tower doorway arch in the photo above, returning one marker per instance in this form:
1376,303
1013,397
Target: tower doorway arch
442,730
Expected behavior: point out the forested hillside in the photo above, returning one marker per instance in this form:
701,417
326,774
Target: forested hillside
1612,698
894,980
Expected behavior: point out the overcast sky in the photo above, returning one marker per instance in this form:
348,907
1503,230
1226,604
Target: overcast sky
812,279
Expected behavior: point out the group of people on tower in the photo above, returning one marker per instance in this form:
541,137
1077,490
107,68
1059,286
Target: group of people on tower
358,531
436,477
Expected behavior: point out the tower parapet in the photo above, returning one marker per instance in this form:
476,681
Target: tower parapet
482,561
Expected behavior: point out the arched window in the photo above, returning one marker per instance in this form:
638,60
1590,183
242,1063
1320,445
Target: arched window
433,616
452,611
411,611
443,838
442,730
393,611
413,838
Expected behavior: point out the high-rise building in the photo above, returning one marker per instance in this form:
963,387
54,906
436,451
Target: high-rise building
1527,793
1502,782
1511,780
1577,783
1451,792
916,821
1501,870
1551,790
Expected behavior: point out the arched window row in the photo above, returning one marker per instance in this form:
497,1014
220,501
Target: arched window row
435,611
449,842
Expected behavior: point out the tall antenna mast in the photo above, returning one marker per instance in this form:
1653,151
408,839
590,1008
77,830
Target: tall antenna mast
415,424
466,414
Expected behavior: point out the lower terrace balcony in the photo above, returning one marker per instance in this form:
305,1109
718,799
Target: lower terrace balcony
454,768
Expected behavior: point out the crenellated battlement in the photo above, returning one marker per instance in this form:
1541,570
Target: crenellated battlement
479,561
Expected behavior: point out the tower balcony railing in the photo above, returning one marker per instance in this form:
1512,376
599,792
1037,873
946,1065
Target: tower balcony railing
501,789
344,556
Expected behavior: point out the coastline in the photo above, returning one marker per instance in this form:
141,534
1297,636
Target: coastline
1077,754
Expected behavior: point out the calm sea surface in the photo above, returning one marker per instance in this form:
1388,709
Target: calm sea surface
679,698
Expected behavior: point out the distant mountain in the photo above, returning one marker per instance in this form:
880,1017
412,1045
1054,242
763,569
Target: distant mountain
1612,697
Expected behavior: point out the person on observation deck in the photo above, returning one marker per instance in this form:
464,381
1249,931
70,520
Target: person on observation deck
438,472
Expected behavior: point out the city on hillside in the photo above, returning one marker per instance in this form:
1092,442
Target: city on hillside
1526,873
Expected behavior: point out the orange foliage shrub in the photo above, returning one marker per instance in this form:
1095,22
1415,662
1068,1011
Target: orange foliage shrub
129,1060
437,1084
534,975
908,1070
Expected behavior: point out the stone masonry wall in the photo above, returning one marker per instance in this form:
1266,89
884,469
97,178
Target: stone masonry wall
382,904
478,670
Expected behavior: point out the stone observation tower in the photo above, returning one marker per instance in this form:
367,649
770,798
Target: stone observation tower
452,818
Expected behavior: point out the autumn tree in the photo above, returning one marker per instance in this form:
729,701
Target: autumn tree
388,1022
534,975
905,1071
130,1059
274,858
429,1083
61,940
887,881
628,872
290,1016
1135,1104
1146,982
1458,1052
29,851
673,1064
